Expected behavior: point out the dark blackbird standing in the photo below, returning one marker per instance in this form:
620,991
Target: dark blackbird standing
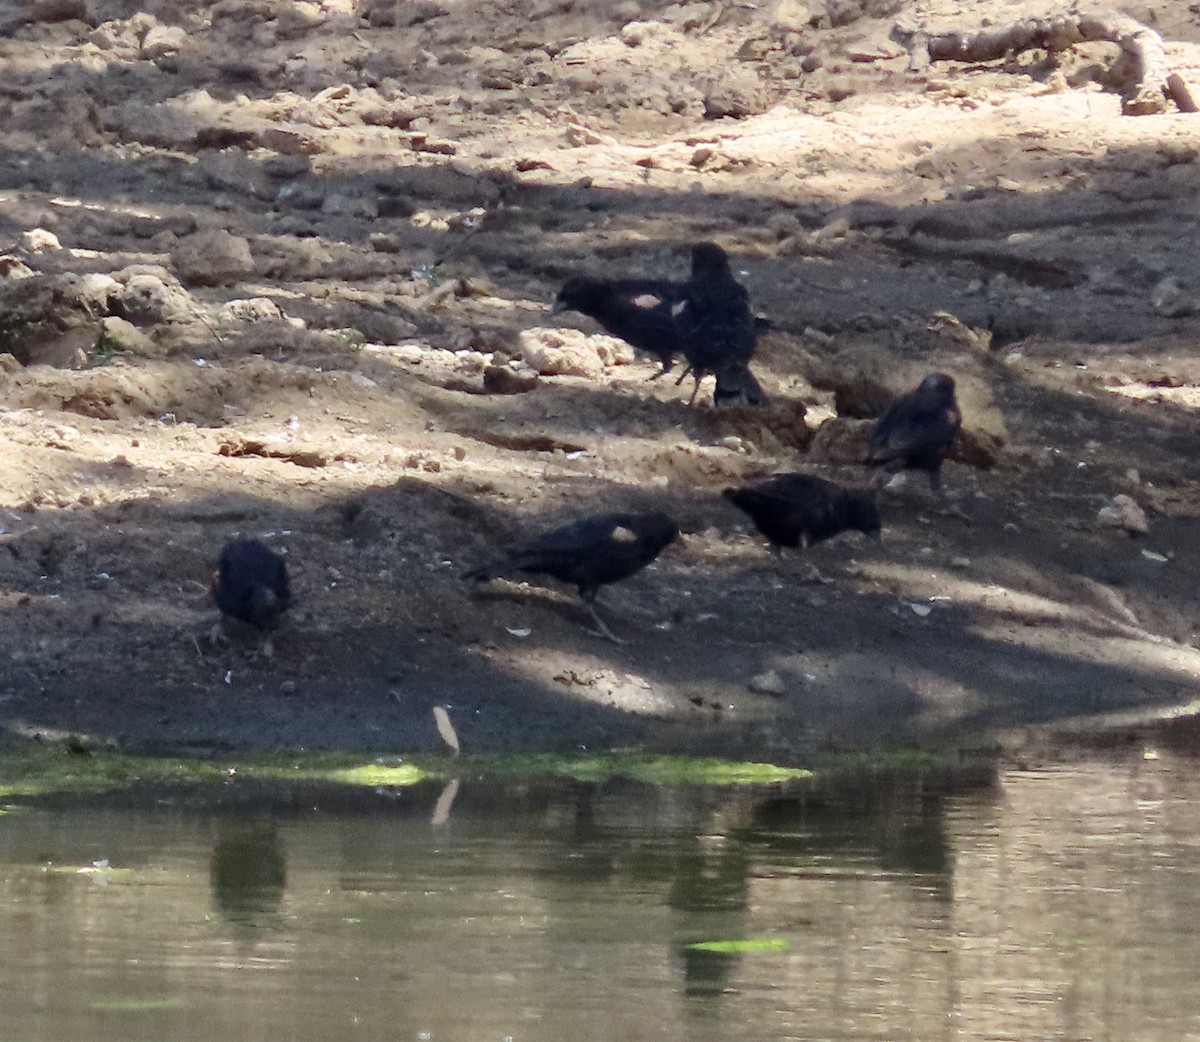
916,430
251,584
590,552
702,319
801,509
717,329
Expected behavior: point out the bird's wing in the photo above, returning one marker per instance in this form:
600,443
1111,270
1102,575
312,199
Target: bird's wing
806,500
912,433
642,312
579,536
716,325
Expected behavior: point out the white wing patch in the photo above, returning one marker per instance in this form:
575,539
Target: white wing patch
677,309
621,534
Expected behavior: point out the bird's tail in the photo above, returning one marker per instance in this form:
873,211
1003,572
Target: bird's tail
737,383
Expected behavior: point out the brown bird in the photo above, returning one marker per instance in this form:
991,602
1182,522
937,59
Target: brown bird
251,585
916,430
590,552
796,510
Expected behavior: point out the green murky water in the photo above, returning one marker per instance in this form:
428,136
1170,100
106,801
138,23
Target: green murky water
1051,904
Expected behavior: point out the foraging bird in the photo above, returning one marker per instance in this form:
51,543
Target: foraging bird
590,552
916,430
706,319
801,509
639,311
251,585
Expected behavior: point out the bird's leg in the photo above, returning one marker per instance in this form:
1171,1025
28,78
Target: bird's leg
589,602
697,375
666,368
605,632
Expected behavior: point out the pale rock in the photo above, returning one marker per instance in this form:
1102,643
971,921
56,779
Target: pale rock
791,16
95,291
570,352
249,309
14,268
768,683
163,39
149,298
634,34
121,336
1124,513
296,19
140,24
38,240
114,36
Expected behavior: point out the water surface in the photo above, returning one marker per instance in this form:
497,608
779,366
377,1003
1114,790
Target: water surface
1061,903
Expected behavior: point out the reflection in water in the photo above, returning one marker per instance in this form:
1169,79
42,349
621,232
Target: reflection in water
248,872
710,887
1052,904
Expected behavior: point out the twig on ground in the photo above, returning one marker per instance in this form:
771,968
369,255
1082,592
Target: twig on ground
1151,85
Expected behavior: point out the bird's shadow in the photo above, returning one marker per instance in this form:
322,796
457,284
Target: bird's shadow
564,604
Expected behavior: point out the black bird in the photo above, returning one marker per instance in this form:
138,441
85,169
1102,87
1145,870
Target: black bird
639,311
698,318
801,509
590,552
251,585
717,329
916,430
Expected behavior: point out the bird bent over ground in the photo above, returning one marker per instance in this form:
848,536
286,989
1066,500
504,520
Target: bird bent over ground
590,552
639,311
916,430
801,509
251,584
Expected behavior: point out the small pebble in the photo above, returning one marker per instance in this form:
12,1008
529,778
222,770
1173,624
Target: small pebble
769,683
